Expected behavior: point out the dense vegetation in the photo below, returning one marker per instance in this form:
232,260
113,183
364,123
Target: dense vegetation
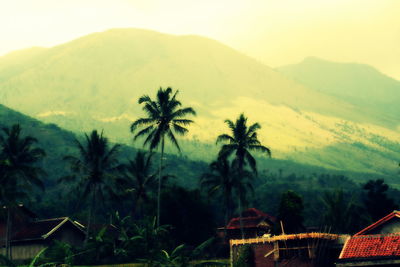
121,186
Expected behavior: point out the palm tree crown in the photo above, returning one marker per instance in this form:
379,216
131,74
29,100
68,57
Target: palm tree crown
18,171
138,178
242,140
164,119
96,160
19,156
96,165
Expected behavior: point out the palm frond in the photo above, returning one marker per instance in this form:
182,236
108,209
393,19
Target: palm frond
260,148
252,162
226,151
183,112
173,139
179,129
225,138
141,122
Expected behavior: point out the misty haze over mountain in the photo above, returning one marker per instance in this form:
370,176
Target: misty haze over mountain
340,116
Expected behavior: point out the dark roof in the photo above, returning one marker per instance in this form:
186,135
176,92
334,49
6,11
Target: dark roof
252,218
42,229
393,215
371,246
18,213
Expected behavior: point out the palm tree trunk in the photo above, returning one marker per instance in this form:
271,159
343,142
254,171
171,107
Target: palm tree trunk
240,215
91,207
226,217
241,163
159,183
8,226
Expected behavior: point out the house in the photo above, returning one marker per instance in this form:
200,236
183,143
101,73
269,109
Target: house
39,234
19,218
30,235
297,250
255,224
375,245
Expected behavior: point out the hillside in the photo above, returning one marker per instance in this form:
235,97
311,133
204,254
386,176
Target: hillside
361,85
58,143
95,81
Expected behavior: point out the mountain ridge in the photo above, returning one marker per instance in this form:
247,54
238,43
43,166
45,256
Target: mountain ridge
95,81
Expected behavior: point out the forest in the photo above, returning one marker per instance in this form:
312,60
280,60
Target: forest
165,208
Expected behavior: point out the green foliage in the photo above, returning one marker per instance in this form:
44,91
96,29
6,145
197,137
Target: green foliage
164,119
95,167
241,142
245,257
291,212
138,180
57,253
189,215
376,200
342,213
4,261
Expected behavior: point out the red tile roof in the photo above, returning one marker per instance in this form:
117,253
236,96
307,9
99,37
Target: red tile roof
251,218
390,216
371,246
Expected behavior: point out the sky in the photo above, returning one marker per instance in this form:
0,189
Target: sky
276,32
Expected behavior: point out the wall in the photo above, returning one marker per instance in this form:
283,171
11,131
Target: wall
26,251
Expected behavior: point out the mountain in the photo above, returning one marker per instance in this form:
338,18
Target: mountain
361,85
95,81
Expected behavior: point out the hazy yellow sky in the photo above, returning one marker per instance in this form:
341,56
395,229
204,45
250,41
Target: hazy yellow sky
277,32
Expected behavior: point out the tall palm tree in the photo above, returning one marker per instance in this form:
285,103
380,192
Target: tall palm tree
96,167
164,119
18,171
242,140
341,212
138,179
222,179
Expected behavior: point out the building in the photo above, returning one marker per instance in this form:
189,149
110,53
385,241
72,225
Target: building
30,235
255,224
297,250
375,245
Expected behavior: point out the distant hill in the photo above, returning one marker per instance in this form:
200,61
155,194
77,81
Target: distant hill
95,81
361,85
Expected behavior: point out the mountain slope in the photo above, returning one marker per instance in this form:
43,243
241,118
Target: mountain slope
358,84
95,81
112,69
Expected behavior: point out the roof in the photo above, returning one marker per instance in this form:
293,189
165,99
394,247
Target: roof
390,216
21,210
42,229
265,239
252,218
371,246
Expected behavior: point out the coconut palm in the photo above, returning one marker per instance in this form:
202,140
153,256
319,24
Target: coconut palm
242,140
164,119
18,171
96,166
138,178
222,179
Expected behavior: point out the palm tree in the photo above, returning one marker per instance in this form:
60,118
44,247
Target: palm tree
222,179
138,178
18,171
164,119
96,166
242,140
342,213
